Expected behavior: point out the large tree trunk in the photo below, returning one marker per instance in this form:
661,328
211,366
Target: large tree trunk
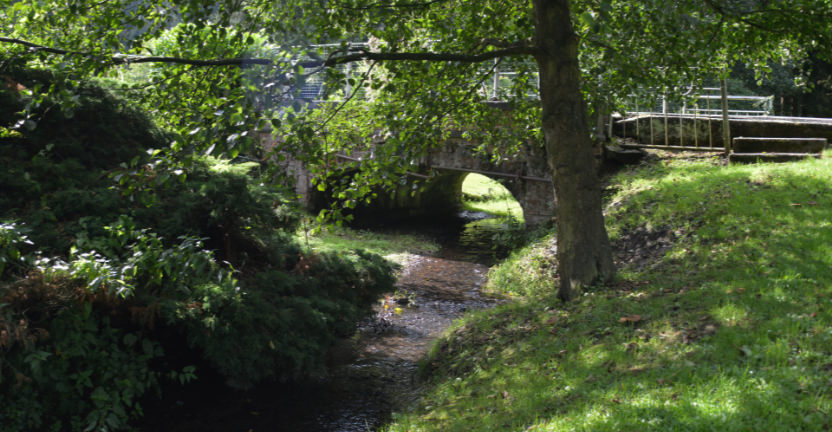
584,252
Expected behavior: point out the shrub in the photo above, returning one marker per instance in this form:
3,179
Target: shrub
148,253
281,324
14,243
65,367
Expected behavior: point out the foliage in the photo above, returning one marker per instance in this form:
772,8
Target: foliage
65,366
130,266
727,328
425,69
13,247
284,323
800,86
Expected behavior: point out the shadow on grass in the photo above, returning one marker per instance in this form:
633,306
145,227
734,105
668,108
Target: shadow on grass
730,332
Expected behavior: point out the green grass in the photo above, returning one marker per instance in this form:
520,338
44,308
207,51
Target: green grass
729,330
480,193
393,246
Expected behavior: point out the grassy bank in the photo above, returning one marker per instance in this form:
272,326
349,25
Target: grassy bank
392,246
479,192
719,320
483,194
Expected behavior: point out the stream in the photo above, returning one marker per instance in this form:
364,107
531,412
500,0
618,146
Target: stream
375,373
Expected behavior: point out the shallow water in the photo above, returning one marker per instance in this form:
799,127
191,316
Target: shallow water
375,373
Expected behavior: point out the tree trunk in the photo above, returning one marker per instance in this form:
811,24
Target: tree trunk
584,252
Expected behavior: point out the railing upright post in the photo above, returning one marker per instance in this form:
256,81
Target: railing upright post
695,124
650,119
638,120
726,127
664,111
682,127
496,83
710,130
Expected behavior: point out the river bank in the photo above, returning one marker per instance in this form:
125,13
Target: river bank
374,373
719,318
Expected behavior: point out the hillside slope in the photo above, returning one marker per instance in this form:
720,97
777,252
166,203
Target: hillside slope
720,318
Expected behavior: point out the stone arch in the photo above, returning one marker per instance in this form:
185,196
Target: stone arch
507,185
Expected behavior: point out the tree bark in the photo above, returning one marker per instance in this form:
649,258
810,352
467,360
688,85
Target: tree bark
584,252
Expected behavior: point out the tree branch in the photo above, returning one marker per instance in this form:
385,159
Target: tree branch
126,58
117,59
739,16
381,5
517,50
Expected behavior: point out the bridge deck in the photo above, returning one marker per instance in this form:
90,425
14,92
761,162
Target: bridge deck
693,131
632,117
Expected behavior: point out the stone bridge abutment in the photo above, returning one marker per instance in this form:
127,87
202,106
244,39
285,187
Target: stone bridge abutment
435,188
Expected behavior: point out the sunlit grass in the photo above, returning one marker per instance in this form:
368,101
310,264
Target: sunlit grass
481,193
730,330
395,247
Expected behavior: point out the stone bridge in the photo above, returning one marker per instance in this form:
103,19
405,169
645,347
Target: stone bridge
440,174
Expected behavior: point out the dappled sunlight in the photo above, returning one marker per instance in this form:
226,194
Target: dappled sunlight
729,331
730,315
483,194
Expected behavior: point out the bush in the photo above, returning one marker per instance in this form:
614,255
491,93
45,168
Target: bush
281,324
13,244
65,367
146,254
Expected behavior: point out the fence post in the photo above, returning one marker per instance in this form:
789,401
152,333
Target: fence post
650,119
682,127
664,111
496,83
710,117
695,124
638,120
726,127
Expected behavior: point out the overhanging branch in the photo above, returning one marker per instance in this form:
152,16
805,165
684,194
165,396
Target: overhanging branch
118,59
401,5
518,50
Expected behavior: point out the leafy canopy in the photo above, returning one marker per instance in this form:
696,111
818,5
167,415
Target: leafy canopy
216,71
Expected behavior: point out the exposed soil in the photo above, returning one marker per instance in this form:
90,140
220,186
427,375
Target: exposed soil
642,247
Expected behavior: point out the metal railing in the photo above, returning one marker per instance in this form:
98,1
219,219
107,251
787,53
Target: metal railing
704,101
314,87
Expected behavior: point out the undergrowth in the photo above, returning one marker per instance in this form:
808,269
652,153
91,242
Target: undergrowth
726,329
123,267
